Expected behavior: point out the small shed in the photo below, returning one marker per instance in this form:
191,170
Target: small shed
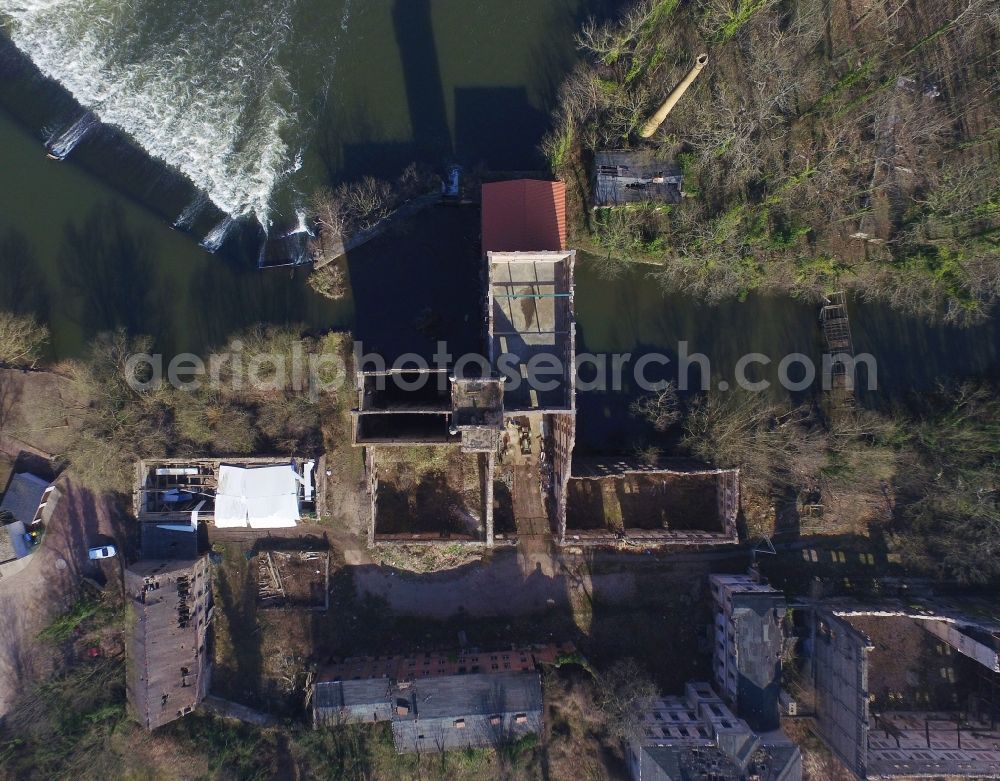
635,176
25,498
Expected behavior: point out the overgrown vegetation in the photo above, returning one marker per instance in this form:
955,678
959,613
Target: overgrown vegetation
927,476
624,693
949,495
260,403
824,146
62,727
22,338
346,488
351,209
331,280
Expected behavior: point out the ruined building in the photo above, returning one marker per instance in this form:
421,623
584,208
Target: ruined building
906,689
622,499
437,702
698,737
747,648
169,615
481,452
635,176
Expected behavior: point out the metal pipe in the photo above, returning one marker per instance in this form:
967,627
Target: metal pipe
661,113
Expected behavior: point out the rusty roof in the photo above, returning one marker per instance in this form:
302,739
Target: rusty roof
524,215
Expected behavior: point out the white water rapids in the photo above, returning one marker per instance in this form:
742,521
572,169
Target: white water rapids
204,86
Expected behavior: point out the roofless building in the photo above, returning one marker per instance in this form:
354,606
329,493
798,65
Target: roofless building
168,662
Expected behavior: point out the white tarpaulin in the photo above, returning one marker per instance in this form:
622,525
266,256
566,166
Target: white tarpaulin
263,497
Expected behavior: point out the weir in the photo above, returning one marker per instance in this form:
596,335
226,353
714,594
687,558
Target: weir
191,212
214,239
290,249
60,145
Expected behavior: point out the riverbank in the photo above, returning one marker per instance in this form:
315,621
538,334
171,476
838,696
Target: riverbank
810,158
85,260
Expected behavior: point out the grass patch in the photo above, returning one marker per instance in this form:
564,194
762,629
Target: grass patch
63,627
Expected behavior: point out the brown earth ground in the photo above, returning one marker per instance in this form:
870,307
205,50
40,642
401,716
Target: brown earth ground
50,583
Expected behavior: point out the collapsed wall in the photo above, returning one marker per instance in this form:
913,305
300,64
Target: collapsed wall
610,501
564,439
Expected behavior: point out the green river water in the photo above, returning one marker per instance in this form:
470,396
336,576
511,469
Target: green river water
352,88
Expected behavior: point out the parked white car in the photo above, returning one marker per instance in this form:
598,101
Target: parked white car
103,552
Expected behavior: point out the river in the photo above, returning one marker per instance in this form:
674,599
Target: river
629,314
258,102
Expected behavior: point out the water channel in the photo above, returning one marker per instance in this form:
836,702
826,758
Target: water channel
349,89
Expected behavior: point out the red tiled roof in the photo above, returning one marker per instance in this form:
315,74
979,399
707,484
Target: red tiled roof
524,215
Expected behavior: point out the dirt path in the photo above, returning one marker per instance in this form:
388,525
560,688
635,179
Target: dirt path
511,583
302,532
50,583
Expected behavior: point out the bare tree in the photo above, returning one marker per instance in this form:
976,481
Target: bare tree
662,408
771,443
367,202
21,340
624,693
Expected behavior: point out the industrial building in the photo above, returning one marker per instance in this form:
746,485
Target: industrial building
697,737
427,406
510,420
905,689
532,343
168,661
748,645
436,702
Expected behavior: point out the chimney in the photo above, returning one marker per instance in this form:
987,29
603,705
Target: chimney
661,113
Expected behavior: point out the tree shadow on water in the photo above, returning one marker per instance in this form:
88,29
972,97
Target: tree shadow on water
111,269
23,290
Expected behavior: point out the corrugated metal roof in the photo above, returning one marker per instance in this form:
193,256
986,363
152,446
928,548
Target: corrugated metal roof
524,215
347,694
477,731
458,711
